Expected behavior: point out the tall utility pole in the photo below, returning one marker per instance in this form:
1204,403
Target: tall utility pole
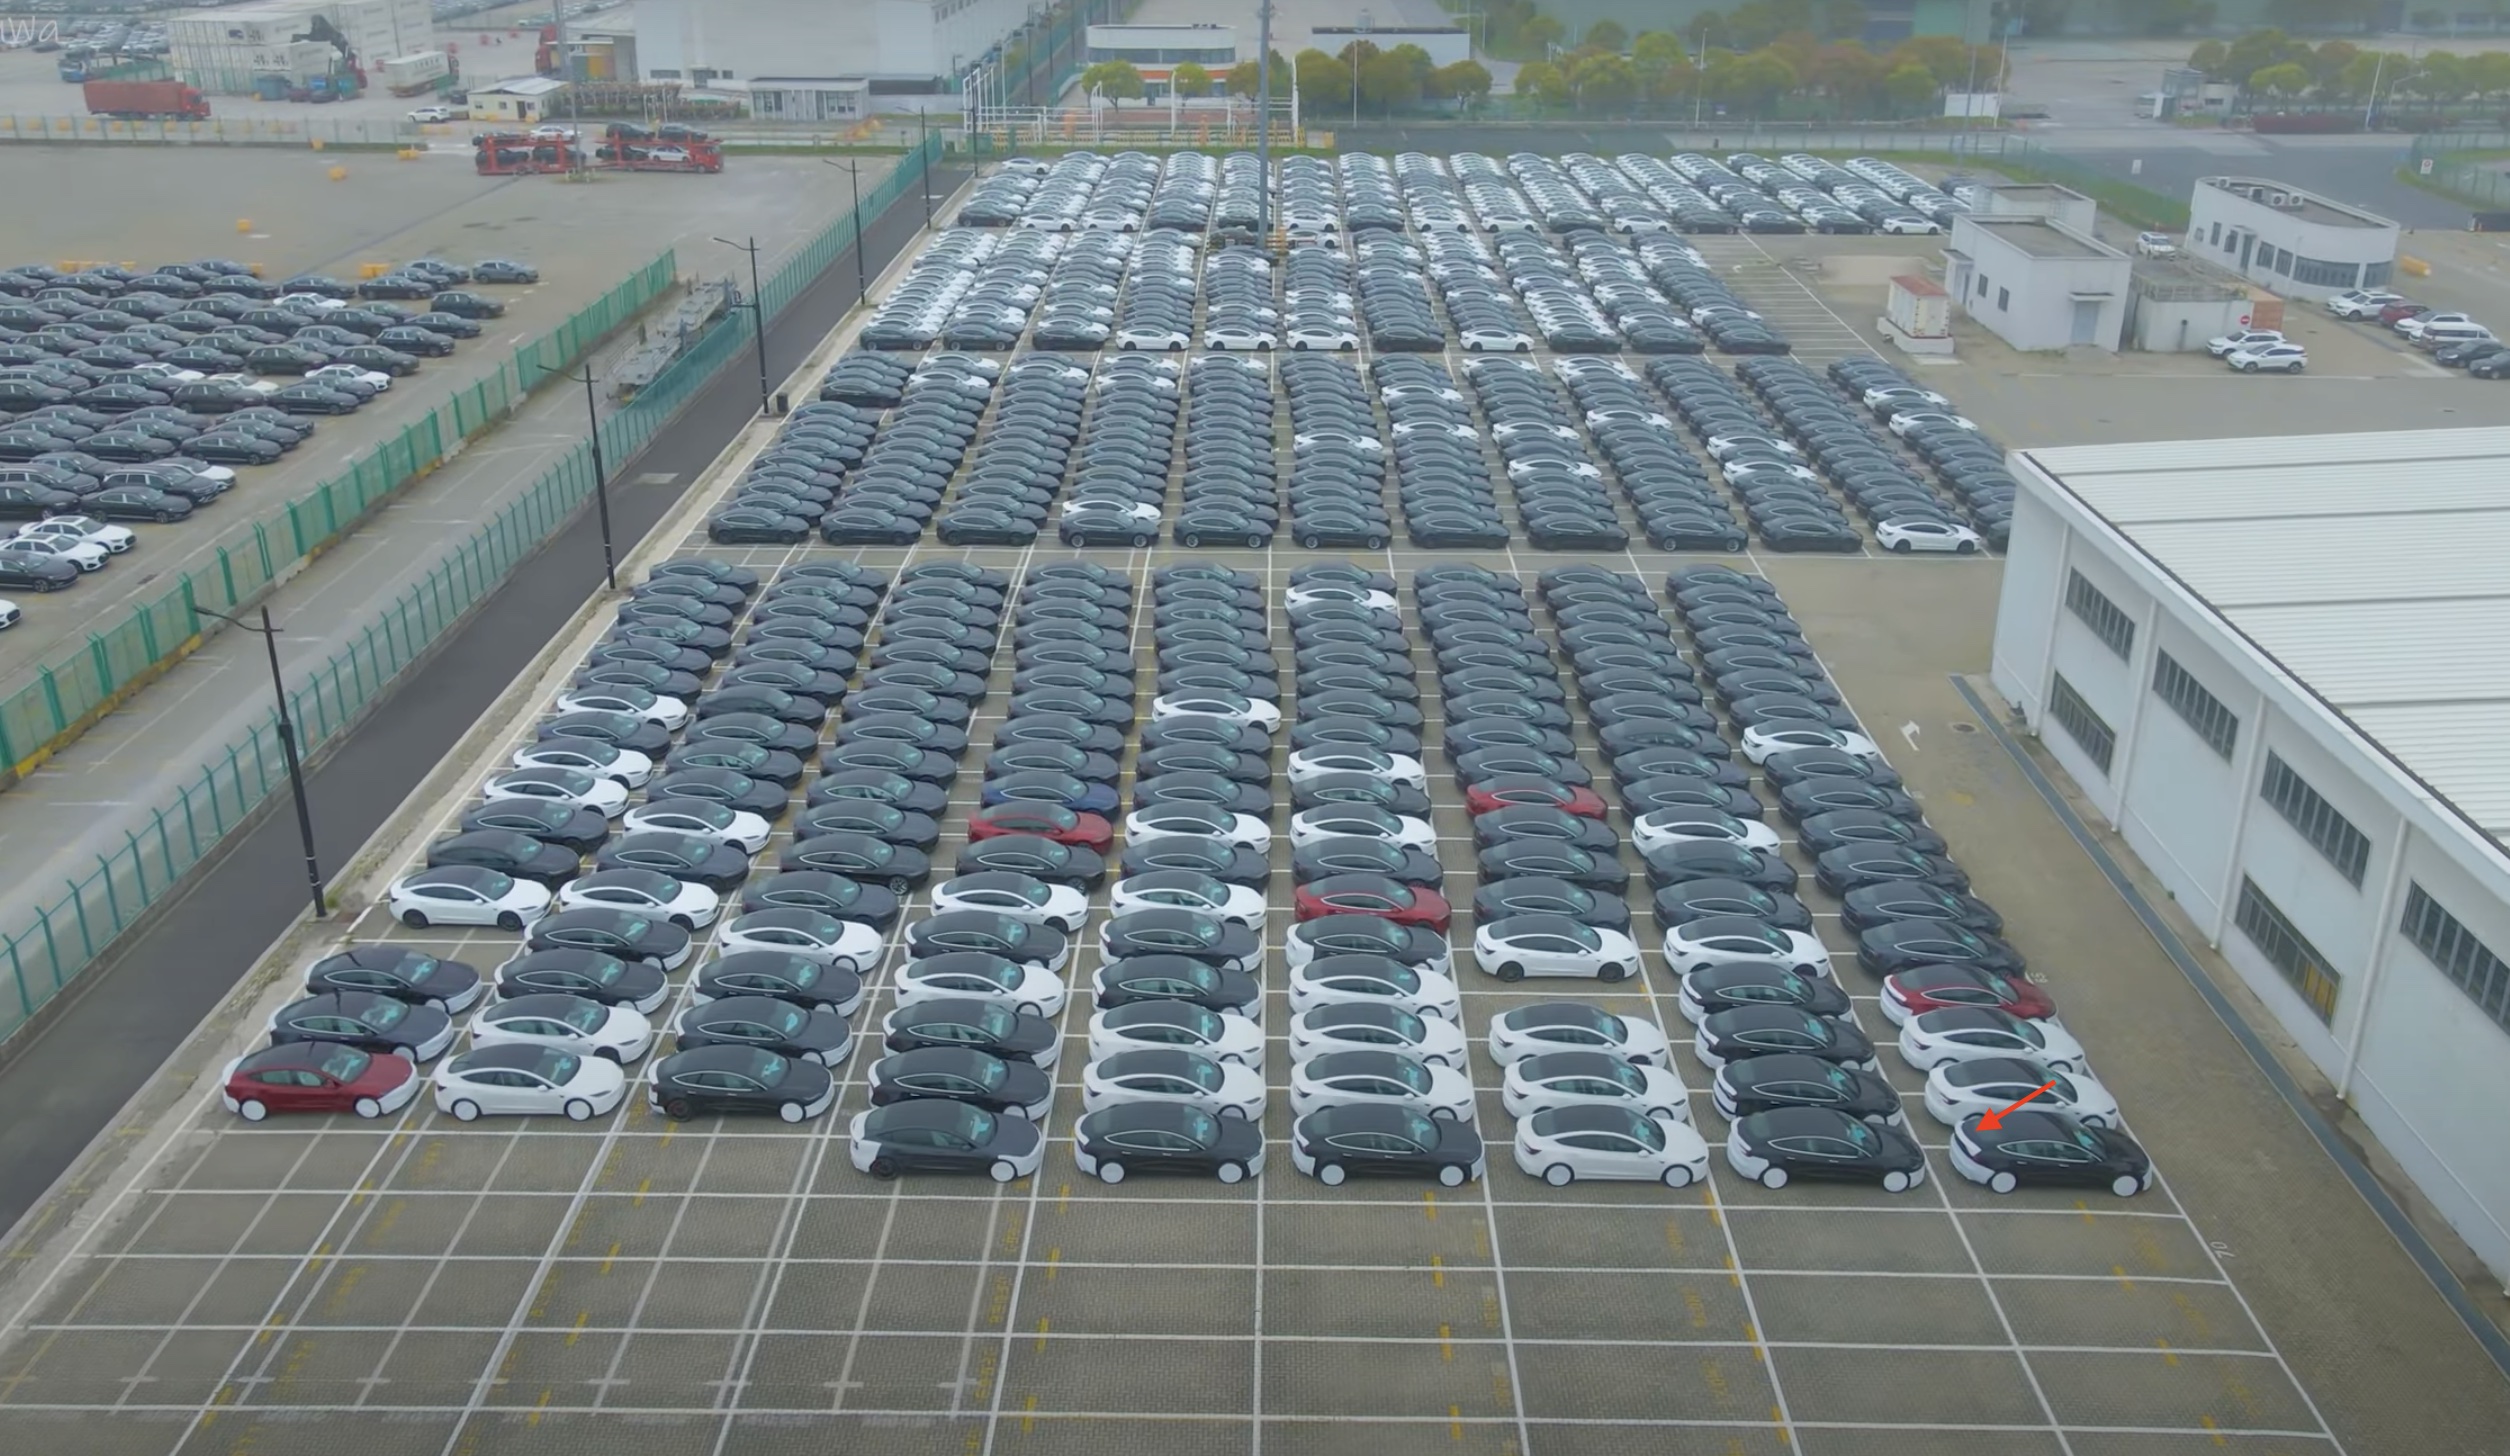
862,278
287,752
923,149
758,316
601,476
1263,121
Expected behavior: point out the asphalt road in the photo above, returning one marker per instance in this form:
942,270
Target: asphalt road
66,1082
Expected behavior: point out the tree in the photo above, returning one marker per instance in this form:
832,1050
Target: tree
1322,80
2329,61
1244,77
1751,81
1842,19
1468,80
2282,80
1608,35
1603,81
1910,88
1387,81
1540,33
2441,76
1851,76
1417,61
1116,80
2368,68
1755,23
2488,73
2211,57
1946,59
2258,49
1655,52
1189,79
1543,81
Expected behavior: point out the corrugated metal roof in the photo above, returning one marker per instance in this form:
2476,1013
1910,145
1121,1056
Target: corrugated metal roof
2375,568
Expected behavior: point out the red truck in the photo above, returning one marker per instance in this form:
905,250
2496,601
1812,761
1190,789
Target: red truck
146,101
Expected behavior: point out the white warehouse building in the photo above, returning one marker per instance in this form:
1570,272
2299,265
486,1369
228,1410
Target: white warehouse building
2297,243
2280,667
725,44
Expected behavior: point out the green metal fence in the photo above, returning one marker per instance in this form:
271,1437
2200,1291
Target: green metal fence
65,935
2465,165
62,696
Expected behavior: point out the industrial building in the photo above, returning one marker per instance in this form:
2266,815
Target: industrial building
1157,50
2297,243
2035,280
1886,21
229,52
902,46
2276,666
1443,44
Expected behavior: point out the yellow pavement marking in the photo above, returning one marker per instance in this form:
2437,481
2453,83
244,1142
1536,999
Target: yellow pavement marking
582,1317
1437,1272
1455,1423
2167,1358
1446,1342
1042,1326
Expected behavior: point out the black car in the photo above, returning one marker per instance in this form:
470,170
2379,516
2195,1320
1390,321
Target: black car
870,818
1334,1144
1733,984
2052,1147
1789,1079
728,787
829,894
1902,945
817,1033
1760,1031
1030,854
1798,765
986,1026
366,1021
1881,903
859,857
1166,1137
1812,797
1684,901
507,852
1822,1142
942,1136
1830,830
403,975
1543,824
1853,866
1213,856
38,573
1167,976
962,1074
549,820
1704,859
693,857
1553,859
1361,855
784,976
734,1079
1179,932
622,933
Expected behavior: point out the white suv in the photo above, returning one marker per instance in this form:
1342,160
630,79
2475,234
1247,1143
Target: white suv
2156,245
2360,303
2279,357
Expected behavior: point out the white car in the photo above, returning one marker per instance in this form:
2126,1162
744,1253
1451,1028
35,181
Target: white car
1151,1025
1227,337
1258,711
85,555
466,895
431,115
977,1128
1390,1078
1336,339
1337,440
2156,245
1658,828
1909,421
1163,340
311,302
553,133
1361,821
247,381
1881,395
2416,325
374,379
527,1080
1245,830
2362,303
1762,741
1575,1026
1309,593
628,766
2224,345
2273,359
559,785
1019,896
1723,940
171,373
668,714
1592,1079
1496,341
743,830
815,937
1023,986
1905,223
1519,946
1917,533
1187,890
1721,446
684,903
1345,1026
568,1023
1969,1033
1569,1143
114,539
1955,1090
1134,512
1223,1089
1742,472
1341,980
10,614
1309,764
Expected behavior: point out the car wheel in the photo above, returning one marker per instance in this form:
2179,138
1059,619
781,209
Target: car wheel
578,1110
1232,1172
163,517
1557,1175
1309,542
901,887
2245,367
1611,971
508,920
1452,1175
1331,1174
792,1112
414,919
1190,540
1895,1182
1967,548
678,1109
608,1054
1140,541
2126,1187
1677,1176
1903,547
1110,1172
2297,368
1003,1172
252,1109
2004,1183
466,1111
1511,971
884,1168
1773,1178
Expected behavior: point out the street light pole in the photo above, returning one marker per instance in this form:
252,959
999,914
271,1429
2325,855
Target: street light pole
923,150
862,277
758,316
601,478
1263,120
287,751
1699,85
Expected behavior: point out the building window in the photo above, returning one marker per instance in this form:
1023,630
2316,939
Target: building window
1982,285
2318,274
2004,299
2203,711
2100,614
663,75
2460,956
2287,950
2376,275
2217,234
2329,832
2080,723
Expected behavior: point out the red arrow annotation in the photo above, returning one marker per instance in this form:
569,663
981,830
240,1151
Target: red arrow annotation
1995,1119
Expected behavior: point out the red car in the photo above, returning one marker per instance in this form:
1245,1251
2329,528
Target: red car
1046,821
2401,310
1506,790
1932,988
1379,895
317,1076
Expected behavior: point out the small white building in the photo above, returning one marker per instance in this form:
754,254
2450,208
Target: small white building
1445,44
900,45
810,98
2297,243
2037,284
1157,50
2280,667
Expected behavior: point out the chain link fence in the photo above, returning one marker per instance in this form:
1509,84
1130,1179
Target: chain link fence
65,935
2468,166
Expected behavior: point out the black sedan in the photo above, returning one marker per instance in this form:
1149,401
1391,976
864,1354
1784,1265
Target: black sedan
783,975
1188,933
1901,945
403,975
1335,1144
1175,977
1819,1142
1854,866
549,820
1765,1084
1702,859
1543,824
1030,854
1213,856
366,1021
1543,895
859,857
1553,859
1712,989
1815,797
508,852
728,787
860,816
738,1080
1880,904
983,930
986,1026
2051,1147
1343,854
1166,1137
692,857
829,894
817,1033
941,1136
1820,833
1762,1031
39,573
961,1074
622,933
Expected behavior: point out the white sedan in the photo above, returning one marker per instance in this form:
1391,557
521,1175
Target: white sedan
820,939
1163,340
1658,828
1310,593
1151,1025
1910,421
466,895
628,766
1519,946
668,714
1389,1078
1309,764
1223,1089
1761,741
1134,512
528,1080
1971,1033
1022,897
1721,940
374,379
1372,981
1336,339
568,1023
85,555
312,302
1918,533
1021,985
1575,1026
1569,1143
1497,341
1904,393
1263,714
1361,821
1245,830
1955,1090
114,539
684,903
1187,890
743,830
560,785
1592,1079
1237,338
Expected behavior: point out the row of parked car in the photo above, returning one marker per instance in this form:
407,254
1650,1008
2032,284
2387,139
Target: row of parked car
2454,340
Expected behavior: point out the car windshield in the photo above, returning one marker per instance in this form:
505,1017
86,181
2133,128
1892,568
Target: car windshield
417,967
385,1014
1837,1076
632,927
558,1068
588,1016
494,885
693,848
994,1021
801,973
1203,932
344,1064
